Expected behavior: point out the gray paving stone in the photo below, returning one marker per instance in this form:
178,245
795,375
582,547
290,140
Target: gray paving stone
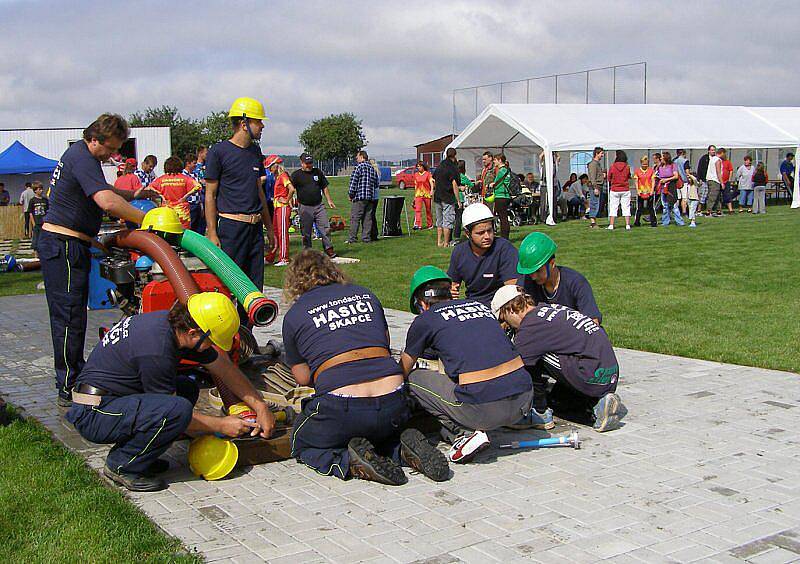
705,469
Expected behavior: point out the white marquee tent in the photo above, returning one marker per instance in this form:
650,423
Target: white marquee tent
518,129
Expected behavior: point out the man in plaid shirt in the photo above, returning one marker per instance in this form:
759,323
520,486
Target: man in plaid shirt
363,192
146,174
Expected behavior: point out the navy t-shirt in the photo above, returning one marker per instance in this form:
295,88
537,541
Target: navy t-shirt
466,337
582,347
139,355
330,320
238,172
573,291
485,274
75,179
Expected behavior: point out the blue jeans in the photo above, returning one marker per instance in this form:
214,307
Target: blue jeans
746,198
676,212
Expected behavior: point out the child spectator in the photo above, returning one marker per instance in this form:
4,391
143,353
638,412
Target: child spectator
423,186
37,208
744,175
692,194
175,189
128,180
760,179
645,182
283,194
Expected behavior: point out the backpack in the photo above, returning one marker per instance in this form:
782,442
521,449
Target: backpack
514,186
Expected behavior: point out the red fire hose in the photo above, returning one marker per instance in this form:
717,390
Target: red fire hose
179,277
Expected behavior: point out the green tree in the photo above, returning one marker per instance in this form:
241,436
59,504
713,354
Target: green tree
215,127
336,136
185,134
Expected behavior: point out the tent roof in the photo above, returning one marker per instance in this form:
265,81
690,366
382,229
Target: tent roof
574,127
18,159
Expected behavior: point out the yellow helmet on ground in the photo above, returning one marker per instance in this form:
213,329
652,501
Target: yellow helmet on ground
247,107
164,220
215,313
211,457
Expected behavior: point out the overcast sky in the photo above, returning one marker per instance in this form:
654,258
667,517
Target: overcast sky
393,64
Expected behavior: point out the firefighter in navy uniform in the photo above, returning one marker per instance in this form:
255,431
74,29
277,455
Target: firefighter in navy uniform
79,195
236,206
129,393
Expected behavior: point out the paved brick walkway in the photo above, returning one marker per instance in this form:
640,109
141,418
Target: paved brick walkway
706,468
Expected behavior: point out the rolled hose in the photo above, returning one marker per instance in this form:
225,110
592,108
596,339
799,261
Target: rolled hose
260,310
179,277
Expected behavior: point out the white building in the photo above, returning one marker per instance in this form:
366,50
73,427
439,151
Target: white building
52,143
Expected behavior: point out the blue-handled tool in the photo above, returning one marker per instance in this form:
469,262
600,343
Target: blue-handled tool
567,440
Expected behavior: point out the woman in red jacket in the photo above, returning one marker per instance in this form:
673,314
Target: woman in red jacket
619,174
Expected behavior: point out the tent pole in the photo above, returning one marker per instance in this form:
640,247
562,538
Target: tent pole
796,190
548,169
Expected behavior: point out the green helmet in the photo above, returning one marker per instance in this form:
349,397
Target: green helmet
423,276
534,252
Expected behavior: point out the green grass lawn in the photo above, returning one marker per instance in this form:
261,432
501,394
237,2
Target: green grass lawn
54,509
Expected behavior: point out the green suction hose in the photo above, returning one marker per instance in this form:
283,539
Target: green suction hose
260,310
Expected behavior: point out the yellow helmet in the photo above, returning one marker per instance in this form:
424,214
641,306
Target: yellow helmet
215,313
211,457
247,107
164,220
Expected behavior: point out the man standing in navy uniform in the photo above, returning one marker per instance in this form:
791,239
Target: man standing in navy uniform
236,206
79,195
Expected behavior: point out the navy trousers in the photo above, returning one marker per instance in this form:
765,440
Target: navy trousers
244,243
328,422
141,426
197,218
66,263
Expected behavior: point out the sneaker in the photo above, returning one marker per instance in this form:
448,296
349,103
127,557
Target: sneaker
452,243
535,420
422,456
693,224
417,228
466,447
366,464
610,228
607,413
64,401
330,252
627,228
281,263
135,482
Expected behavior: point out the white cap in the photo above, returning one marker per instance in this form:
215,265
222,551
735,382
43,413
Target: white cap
475,213
503,296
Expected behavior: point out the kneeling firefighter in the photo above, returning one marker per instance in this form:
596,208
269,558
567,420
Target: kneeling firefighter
335,335
484,386
130,395
570,347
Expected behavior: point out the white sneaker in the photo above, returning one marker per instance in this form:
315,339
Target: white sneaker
627,228
466,447
610,228
281,263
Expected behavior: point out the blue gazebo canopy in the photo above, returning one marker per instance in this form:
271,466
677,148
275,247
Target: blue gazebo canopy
18,159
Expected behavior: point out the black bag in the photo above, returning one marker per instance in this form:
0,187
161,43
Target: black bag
514,185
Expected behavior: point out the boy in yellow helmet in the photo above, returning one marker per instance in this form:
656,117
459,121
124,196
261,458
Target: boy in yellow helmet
130,395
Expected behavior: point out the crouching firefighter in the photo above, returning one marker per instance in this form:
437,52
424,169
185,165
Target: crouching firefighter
336,336
570,347
130,395
484,385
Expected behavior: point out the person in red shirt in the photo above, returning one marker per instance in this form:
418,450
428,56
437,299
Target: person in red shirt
175,188
619,174
128,181
725,179
282,200
423,188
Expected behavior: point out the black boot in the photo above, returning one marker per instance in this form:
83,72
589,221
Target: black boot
135,482
367,464
422,456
